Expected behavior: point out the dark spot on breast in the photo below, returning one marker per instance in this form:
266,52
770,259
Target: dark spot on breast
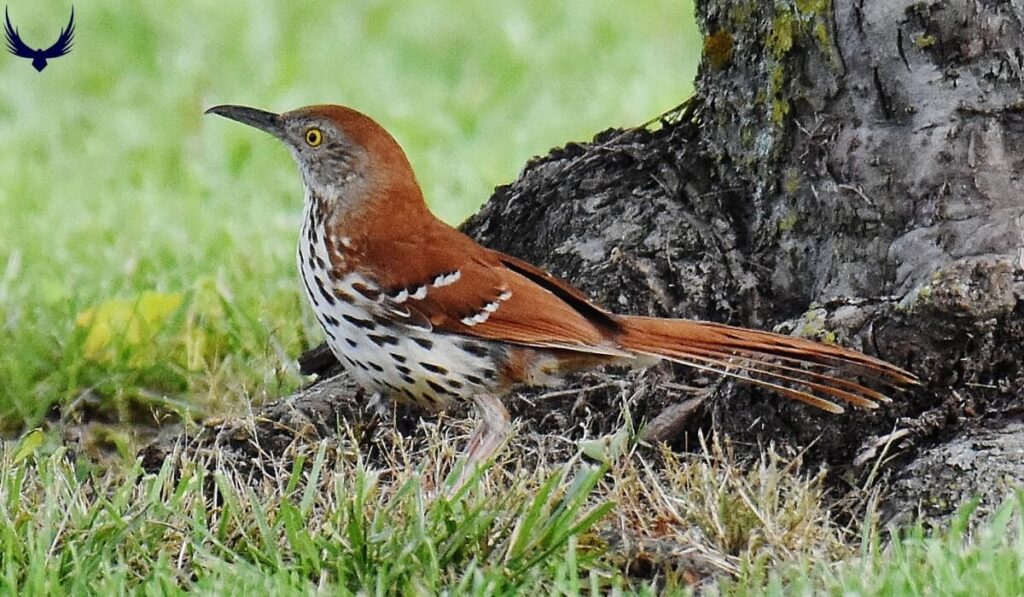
390,386
434,368
429,399
342,295
474,380
368,292
427,344
453,383
403,369
351,342
397,357
311,262
331,320
408,393
329,333
323,291
383,321
439,388
350,361
362,366
408,380
476,349
381,340
490,374
320,263
376,367
309,291
366,324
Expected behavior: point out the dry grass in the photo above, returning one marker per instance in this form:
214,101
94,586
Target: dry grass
672,521
354,512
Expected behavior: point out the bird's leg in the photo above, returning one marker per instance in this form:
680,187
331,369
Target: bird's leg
376,405
494,427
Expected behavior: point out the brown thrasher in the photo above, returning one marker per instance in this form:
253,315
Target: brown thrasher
419,311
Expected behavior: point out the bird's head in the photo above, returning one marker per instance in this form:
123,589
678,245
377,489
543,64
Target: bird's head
347,160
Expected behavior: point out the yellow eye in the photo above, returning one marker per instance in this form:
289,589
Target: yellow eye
314,137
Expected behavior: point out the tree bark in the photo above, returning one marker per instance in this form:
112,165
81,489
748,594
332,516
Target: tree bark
877,147
847,171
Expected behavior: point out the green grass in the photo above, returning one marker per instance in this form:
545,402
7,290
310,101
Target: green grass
328,526
113,184
917,561
316,519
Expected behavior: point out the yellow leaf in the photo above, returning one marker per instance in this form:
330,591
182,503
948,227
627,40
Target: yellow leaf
126,323
28,444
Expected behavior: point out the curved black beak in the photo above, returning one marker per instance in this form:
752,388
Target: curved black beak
265,121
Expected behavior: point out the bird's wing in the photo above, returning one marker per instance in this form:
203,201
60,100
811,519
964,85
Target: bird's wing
460,287
445,279
14,43
63,44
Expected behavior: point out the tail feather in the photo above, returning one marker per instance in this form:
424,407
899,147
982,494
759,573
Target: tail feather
789,392
763,361
843,389
800,369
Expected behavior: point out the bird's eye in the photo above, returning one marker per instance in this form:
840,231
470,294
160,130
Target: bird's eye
314,137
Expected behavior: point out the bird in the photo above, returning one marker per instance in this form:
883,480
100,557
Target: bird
39,57
417,311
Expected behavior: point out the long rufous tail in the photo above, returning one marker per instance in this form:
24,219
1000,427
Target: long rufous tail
800,369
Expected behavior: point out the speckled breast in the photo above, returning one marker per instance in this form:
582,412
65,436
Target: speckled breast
384,353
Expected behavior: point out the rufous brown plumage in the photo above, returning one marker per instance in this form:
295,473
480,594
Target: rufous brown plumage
416,310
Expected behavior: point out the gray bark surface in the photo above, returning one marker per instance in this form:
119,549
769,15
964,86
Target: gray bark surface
847,171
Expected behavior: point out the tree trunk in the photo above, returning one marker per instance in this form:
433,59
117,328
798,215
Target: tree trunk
850,172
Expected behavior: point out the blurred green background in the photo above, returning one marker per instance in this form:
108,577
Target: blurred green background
146,252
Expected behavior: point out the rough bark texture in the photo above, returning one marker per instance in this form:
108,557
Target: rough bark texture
847,171
876,147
